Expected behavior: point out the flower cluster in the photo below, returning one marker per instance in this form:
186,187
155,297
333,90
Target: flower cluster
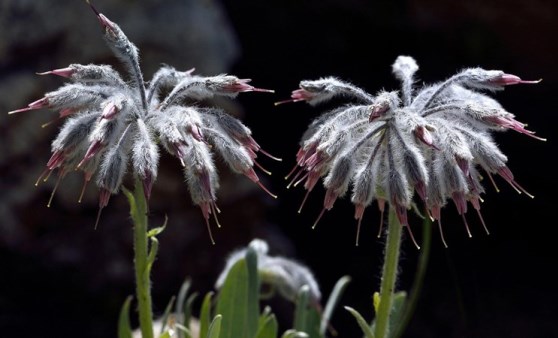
113,122
431,140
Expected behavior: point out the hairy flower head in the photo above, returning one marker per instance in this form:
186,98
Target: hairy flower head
115,123
431,140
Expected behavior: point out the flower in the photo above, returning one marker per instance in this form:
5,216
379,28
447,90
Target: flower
114,121
431,140
285,275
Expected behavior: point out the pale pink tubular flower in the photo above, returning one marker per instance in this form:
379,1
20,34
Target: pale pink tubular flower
113,122
431,140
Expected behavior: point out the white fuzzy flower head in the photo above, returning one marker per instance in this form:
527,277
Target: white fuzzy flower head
116,122
432,140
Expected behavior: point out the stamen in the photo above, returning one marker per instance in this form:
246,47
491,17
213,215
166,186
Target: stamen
466,226
262,168
358,231
381,206
216,208
412,237
60,175
518,187
291,172
302,178
213,208
482,221
442,234
44,125
304,200
206,218
319,217
493,182
47,176
270,156
85,181
295,177
41,176
98,217
287,101
261,90
265,189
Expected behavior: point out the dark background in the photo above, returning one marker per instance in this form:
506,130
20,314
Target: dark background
62,278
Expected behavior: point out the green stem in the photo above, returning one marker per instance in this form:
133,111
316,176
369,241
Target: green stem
138,211
419,277
389,275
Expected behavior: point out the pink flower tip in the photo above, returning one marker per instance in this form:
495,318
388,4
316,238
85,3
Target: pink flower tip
41,103
64,72
377,111
509,79
242,86
297,96
103,20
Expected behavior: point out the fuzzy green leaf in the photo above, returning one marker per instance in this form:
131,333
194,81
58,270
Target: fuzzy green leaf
301,310
166,314
124,327
156,231
180,310
399,299
253,309
152,254
238,302
268,327
188,309
215,327
205,314
181,299
332,302
361,322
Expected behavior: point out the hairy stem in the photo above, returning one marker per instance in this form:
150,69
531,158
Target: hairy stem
419,278
389,275
138,211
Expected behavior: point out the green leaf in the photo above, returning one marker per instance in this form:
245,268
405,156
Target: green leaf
165,335
294,334
188,308
264,316
182,330
124,327
376,301
397,307
179,307
205,314
332,302
313,320
156,231
181,299
165,318
301,310
152,255
268,328
253,309
237,303
361,322
215,328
